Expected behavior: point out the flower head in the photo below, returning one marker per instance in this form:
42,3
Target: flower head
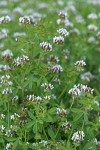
80,89
58,40
25,20
7,54
46,46
56,69
63,32
5,19
47,86
79,65
78,136
61,112
63,14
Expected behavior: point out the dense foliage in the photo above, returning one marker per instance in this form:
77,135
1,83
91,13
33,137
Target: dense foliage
49,75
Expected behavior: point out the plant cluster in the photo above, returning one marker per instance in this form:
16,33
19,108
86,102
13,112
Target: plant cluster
49,75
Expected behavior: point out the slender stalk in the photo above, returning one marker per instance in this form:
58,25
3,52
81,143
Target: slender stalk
57,131
45,134
72,103
8,116
62,92
25,136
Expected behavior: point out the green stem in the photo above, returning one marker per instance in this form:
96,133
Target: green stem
62,92
57,131
8,116
25,136
45,134
71,104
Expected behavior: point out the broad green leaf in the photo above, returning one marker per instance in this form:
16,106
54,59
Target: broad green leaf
31,115
30,124
51,133
15,144
77,117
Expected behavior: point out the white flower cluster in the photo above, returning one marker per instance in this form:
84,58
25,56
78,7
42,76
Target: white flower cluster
44,143
63,20
66,125
5,19
79,65
53,59
15,116
47,86
79,19
61,112
63,32
17,34
18,11
96,2
63,14
75,31
1,46
9,146
6,68
9,133
56,69
47,97
68,24
78,136
92,16
2,128
96,103
7,54
92,27
3,34
98,34
15,98
91,40
38,99
80,89
96,142
87,76
57,81
35,144
2,116
7,91
30,98
4,79
58,40
46,46
33,98
20,60
25,20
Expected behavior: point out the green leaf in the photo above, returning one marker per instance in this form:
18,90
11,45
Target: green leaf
68,145
52,110
31,115
30,124
1,140
35,127
51,133
15,144
49,118
78,116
